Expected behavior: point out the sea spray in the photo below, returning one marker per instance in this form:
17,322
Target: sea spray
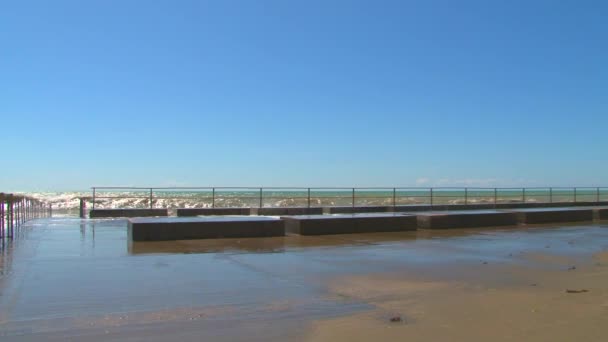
281,198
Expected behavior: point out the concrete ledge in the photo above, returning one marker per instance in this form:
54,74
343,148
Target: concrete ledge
344,224
472,219
588,204
468,206
187,212
600,213
290,211
107,213
482,206
461,207
443,207
354,210
164,229
540,205
416,207
553,215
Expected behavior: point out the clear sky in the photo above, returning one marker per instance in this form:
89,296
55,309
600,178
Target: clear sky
302,93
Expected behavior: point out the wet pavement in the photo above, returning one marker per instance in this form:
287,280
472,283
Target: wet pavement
69,278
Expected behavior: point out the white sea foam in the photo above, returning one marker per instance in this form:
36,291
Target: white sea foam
71,200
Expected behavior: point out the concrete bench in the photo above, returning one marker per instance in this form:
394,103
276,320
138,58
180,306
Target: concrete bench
290,211
353,223
188,212
362,209
182,228
553,215
442,207
466,219
601,213
108,213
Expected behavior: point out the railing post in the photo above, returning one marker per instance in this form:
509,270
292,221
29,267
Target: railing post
431,196
575,195
151,194
550,195
93,198
466,196
82,209
523,195
394,197
12,218
212,197
8,217
597,193
495,196
261,200
1,217
353,197
308,197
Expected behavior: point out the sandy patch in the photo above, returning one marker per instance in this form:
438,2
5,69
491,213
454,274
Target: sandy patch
471,310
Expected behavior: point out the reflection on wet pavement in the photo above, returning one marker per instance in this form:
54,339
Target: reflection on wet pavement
65,275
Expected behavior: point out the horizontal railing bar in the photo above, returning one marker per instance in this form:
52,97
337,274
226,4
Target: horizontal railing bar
338,188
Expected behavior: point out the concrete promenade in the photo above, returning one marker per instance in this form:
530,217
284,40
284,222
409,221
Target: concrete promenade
67,279
279,211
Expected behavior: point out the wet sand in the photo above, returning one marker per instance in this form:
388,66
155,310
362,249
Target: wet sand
66,279
531,305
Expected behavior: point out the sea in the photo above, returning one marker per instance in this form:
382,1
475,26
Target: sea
313,197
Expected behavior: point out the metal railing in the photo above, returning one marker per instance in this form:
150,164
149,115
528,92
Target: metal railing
17,209
174,197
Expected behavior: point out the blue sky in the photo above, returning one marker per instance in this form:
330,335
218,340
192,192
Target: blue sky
303,93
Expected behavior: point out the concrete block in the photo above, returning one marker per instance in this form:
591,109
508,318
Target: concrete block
181,228
588,204
290,211
466,219
456,207
601,213
363,209
353,223
528,205
188,212
107,213
553,215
